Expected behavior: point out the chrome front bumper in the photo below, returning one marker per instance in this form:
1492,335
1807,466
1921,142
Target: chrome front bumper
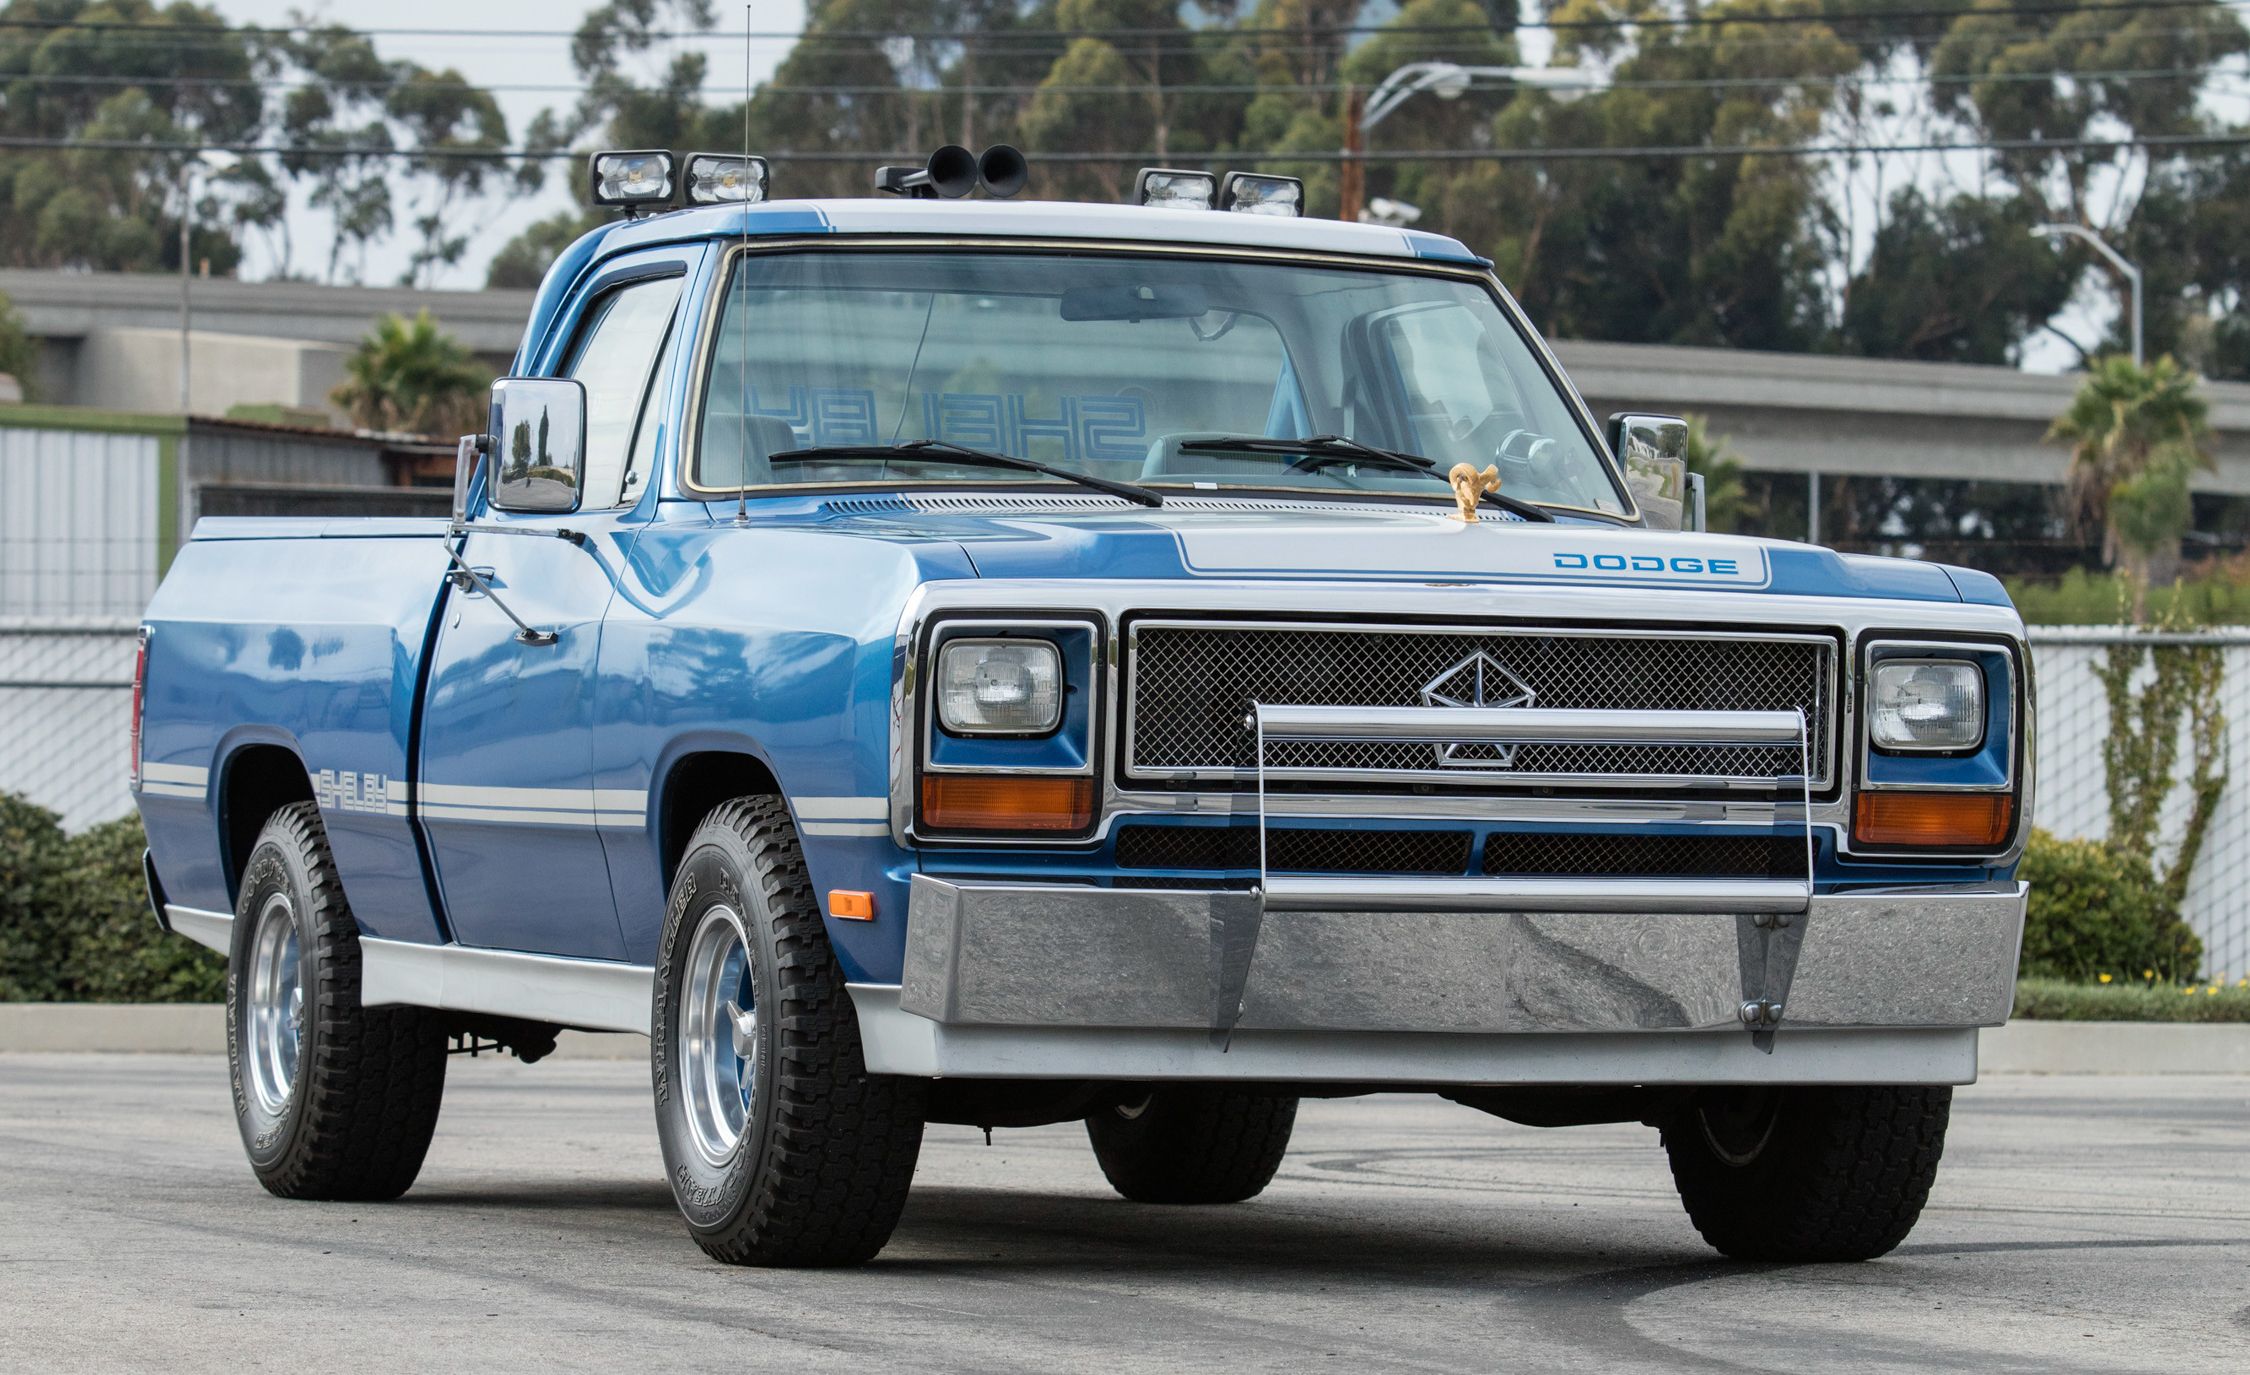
1024,980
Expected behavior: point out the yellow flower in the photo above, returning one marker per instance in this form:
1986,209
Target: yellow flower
2212,991
2148,973
2187,992
2105,978
2242,983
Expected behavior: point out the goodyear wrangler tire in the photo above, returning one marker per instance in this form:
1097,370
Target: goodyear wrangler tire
1807,1174
335,1100
781,1148
1193,1144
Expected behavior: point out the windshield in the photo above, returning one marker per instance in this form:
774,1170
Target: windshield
1124,367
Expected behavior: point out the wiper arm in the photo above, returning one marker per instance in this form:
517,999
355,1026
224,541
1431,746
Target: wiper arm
1322,450
949,452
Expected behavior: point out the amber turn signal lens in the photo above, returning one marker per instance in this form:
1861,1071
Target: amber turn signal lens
847,905
1006,802
1934,820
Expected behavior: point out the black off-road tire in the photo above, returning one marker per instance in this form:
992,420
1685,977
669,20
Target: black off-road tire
820,1172
1807,1174
1193,1143
368,1082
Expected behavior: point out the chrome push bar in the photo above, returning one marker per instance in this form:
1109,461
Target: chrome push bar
1532,726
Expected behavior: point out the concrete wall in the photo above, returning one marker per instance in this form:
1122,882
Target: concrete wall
136,369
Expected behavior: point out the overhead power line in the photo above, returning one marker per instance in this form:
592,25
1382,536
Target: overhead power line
1593,153
1855,79
1878,19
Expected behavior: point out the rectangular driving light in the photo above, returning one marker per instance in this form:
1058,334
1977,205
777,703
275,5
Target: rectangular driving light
726,179
1916,705
636,178
1254,193
1934,821
1171,188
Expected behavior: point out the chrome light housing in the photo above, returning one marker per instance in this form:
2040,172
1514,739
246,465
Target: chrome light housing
726,179
999,687
1925,704
1172,188
640,177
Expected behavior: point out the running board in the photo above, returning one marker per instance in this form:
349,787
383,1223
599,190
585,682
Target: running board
596,995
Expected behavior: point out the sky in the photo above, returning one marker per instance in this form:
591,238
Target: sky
513,62
543,63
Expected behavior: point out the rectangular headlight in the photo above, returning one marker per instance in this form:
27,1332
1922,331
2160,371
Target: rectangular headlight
999,687
1170,188
1926,704
725,179
1253,193
642,177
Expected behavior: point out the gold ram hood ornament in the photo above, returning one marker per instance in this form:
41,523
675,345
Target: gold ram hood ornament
1469,486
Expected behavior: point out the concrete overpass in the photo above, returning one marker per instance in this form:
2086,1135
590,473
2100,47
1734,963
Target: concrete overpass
112,333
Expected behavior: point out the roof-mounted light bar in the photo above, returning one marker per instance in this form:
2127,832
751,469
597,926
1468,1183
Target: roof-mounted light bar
1246,193
1174,188
726,179
636,179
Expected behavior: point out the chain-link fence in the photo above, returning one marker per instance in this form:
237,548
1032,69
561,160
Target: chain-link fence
66,696
66,707
2073,788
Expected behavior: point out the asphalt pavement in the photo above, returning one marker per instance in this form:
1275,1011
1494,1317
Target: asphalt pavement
2086,1223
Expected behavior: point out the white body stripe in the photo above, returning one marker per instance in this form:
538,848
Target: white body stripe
841,808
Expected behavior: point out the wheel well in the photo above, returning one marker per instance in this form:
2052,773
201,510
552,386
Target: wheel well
700,782
260,780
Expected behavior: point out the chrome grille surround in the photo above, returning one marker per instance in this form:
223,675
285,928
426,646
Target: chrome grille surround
1190,684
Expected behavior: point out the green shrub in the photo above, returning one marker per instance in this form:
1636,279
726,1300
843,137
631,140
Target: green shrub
74,922
2215,595
2132,1000
2097,910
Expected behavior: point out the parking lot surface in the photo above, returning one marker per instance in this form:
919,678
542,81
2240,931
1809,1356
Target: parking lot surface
2089,1223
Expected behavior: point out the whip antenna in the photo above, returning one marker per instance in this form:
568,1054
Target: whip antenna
741,272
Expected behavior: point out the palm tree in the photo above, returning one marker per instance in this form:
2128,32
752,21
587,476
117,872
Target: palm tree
2136,433
411,375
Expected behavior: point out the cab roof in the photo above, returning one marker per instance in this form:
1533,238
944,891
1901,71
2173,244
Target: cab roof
887,215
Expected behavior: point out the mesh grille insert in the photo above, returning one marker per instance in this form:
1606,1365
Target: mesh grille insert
1670,856
1194,685
1294,850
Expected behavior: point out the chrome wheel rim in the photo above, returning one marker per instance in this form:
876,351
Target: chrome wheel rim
277,1005
718,1035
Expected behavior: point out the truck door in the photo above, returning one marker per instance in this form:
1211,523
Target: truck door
505,793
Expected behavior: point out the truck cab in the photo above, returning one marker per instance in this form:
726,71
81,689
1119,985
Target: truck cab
935,658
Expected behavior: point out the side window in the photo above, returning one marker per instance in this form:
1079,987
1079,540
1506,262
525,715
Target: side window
616,358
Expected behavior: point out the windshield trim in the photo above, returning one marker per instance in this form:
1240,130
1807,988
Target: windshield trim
716,293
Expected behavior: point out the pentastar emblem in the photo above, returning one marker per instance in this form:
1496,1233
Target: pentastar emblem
1477,681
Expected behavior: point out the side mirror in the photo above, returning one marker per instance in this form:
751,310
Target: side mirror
1653,449
538,443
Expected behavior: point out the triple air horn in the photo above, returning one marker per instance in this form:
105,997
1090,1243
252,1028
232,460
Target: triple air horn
954,171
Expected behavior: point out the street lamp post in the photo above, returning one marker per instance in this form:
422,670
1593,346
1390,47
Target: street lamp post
1451,80
1446,81
2130,273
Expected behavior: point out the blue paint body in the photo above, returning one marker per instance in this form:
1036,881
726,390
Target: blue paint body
496,794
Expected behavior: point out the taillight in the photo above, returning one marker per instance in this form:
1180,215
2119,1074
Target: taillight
140,695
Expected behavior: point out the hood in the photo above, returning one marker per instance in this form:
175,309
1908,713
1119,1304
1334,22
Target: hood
1236,538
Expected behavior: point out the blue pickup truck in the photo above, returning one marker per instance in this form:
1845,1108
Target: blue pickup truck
932,658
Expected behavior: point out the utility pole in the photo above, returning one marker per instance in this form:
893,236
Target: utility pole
1351,174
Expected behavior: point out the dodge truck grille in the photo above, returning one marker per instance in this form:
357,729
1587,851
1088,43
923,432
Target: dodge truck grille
1191,686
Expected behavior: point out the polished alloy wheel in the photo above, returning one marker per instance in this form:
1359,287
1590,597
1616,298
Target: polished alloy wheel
277,1005
718,1035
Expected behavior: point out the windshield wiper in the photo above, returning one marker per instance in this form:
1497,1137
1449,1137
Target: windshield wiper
1325,450
942,451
